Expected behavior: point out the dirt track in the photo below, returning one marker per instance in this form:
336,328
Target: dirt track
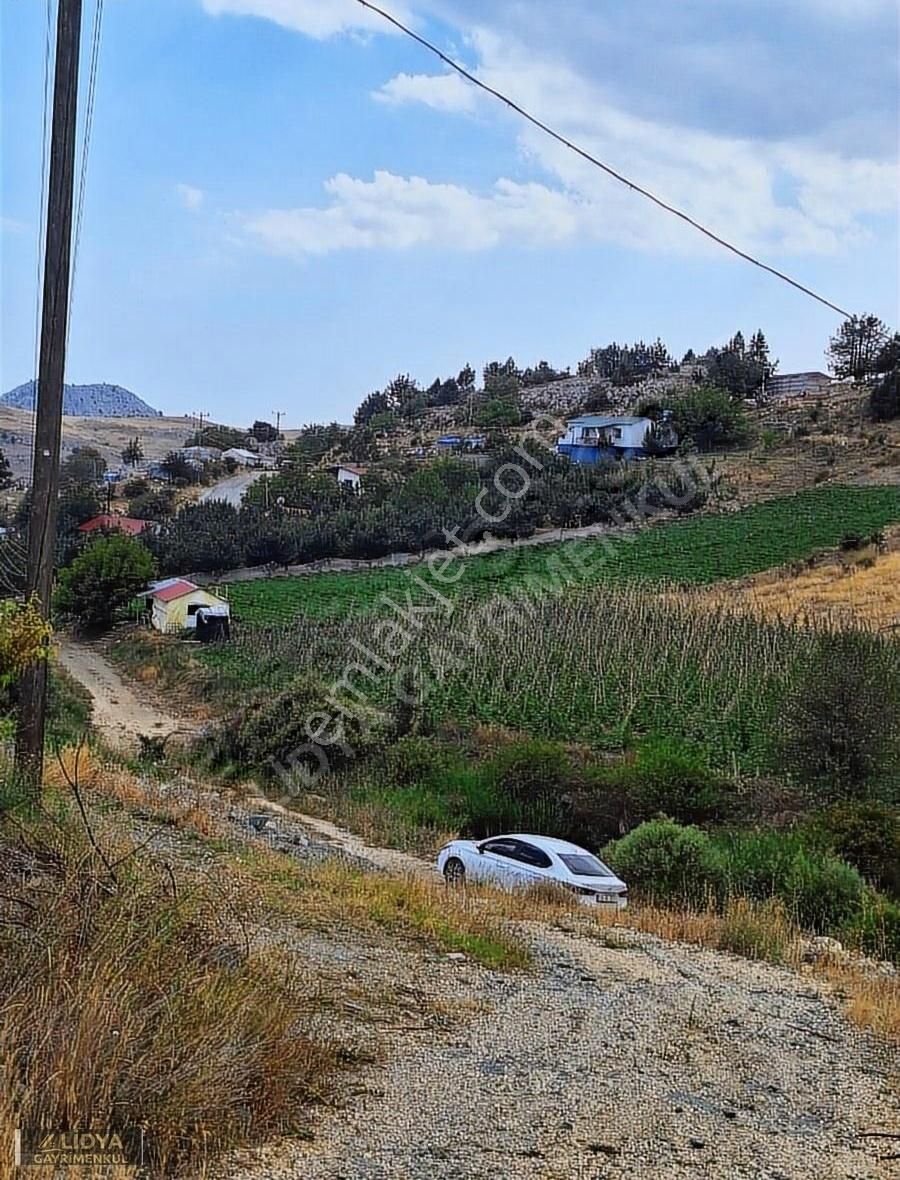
120,711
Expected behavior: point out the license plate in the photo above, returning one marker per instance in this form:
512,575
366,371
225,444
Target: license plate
607,897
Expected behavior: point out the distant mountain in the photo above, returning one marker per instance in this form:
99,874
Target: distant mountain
87,401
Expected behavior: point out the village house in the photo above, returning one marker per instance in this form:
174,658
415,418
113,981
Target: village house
602,436
245,458
349,474
179,605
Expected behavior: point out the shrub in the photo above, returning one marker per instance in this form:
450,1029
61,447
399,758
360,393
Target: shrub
820,892
103,579
413,760
878,928
664,775
667,862
837,733
868,836
301,730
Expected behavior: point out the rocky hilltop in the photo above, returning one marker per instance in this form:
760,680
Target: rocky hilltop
87,401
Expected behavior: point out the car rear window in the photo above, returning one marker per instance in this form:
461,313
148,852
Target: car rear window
584,865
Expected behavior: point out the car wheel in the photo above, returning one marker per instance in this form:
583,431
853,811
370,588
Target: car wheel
455,871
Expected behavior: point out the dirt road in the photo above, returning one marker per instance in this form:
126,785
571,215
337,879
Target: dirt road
121,712
618,1057
231,490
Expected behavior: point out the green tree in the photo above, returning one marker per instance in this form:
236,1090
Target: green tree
178,469
133,453
6,476
837,733
884,400
85,465
264,432
855,347
709,418
888,359
102,580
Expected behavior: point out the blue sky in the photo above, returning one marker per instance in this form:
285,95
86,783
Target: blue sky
287,204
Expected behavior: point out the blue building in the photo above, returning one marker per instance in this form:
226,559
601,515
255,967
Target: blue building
604,436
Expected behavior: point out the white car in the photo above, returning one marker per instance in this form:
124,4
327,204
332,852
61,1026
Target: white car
517,861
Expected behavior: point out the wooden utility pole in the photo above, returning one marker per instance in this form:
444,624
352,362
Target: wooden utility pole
51,374
279,414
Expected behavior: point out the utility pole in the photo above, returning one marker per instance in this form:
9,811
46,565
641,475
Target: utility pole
279,414
51,373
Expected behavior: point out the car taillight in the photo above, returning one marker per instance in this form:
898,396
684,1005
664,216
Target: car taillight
583,892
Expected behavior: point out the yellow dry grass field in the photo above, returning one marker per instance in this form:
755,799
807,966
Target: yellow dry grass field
846,589
109,435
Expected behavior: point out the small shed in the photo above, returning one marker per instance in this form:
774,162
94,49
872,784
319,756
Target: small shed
176,604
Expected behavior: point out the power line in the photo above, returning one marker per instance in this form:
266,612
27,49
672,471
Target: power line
586,155
86,143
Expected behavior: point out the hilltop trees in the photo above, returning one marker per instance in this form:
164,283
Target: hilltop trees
6,475
854,349
740,369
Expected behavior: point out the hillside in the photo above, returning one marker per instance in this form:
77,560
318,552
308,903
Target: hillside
109,435
87,401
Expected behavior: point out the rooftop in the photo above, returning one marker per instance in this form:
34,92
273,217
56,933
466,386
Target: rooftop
111,520
607,420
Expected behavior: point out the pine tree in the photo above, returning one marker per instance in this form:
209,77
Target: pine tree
853,349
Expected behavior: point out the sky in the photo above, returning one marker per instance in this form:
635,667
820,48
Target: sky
287,202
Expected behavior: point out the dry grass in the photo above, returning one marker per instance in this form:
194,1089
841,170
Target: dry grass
126,991
858,587
335,895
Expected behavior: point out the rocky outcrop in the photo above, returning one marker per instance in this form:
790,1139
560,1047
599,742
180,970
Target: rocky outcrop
87,401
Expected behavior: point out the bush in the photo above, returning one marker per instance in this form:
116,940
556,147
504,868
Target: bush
838,733
103,579
299,731
878,928
819,891
664,775
868,836
666,862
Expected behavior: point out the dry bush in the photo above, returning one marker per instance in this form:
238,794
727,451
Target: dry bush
128,999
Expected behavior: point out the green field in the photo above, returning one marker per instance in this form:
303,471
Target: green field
694,551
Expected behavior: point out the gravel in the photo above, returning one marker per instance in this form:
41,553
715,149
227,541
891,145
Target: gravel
618,1055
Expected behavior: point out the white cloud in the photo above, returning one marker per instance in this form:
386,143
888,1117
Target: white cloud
398,213
315,18
775,196
442,92
192,198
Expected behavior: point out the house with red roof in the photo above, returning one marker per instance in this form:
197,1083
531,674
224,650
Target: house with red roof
112,522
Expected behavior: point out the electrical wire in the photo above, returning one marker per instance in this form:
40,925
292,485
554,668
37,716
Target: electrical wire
586,155
85,151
